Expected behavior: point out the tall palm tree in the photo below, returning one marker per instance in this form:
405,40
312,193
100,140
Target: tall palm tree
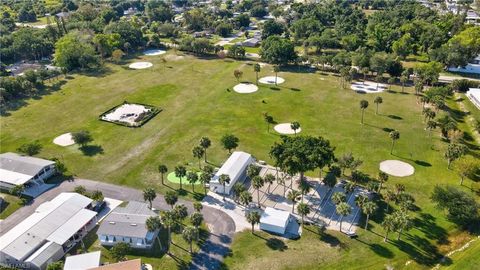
369,208
305,188
293,197
257,183
205,143
149,195
180,172
389,224
245,198
257,69
269,178
224,179
192,178
253,217
394,136
303,209
390,196
382,177
403,80
295,126
276,69
168,221
154,224
252,171
343,209
190,234
171,198
377,101
198,152
269,120
162,169
363,106
338,197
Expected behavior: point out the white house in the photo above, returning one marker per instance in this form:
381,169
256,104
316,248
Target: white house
274,220
251,42
472,67
235,167
24,170
474,95
127,224
49,233
82,261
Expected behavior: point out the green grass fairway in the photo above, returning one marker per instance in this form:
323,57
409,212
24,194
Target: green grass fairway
197,100
172,177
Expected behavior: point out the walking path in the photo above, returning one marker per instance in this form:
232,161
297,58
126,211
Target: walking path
210,256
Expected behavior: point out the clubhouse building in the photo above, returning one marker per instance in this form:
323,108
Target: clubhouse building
235,167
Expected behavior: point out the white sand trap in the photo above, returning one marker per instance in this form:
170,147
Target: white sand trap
284,128
140,65
368,87
64,140
396,168
245,88
271,80
127,113
154,52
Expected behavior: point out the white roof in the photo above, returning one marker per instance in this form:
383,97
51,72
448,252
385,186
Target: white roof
275,217
234,166
82,261
55,219
14,178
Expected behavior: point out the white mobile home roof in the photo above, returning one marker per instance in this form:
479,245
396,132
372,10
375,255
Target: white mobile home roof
16,168
234,166
275,218
82,261
56,219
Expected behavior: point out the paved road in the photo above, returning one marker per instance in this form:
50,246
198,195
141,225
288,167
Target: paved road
221,226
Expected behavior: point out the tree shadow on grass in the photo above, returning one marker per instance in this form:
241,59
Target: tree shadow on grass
98,72
386,129
295,89
274,88
395,117
426,223
91,150
276,244
378,249
419,249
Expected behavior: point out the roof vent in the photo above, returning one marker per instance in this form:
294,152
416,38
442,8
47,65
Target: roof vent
112,222
133,224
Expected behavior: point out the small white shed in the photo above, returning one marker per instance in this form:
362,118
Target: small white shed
274,220
235,167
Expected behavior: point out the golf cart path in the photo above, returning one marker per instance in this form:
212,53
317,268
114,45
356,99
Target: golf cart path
210,256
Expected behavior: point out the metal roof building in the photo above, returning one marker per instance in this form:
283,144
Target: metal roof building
82,261
235,167
49,232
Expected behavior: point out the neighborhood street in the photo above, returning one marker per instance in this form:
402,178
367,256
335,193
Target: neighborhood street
221,226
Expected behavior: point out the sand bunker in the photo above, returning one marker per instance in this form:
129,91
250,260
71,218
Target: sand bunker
154,52
140,65
368,87
396,168
127,113
285,128
271,80
64,140
245,88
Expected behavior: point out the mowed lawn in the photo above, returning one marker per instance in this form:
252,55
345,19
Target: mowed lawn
197,100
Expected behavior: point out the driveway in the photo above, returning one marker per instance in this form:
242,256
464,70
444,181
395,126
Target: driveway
221,226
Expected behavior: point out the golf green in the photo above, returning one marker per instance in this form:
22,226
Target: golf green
174,179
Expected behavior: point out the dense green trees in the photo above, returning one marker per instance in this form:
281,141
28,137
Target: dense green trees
278,50
74,50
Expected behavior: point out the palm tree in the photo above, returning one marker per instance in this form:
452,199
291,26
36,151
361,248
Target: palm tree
180,172
269,120
238,74
162,169
192,178
349,187
168,220
197,206
390,196
253,217
224,179
149,195
198,152
403,80
153,224
369,208
171,198
391,81
276,69
269,178
190,234
293,197
382,177
399,188
365,71
257,69
330,180
338,197
378,101
363,106
295,126
343,209
245,198
252,171
257,183
431,125
205,143
394,135
305,188
303,209
403,222
389,224
206,176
